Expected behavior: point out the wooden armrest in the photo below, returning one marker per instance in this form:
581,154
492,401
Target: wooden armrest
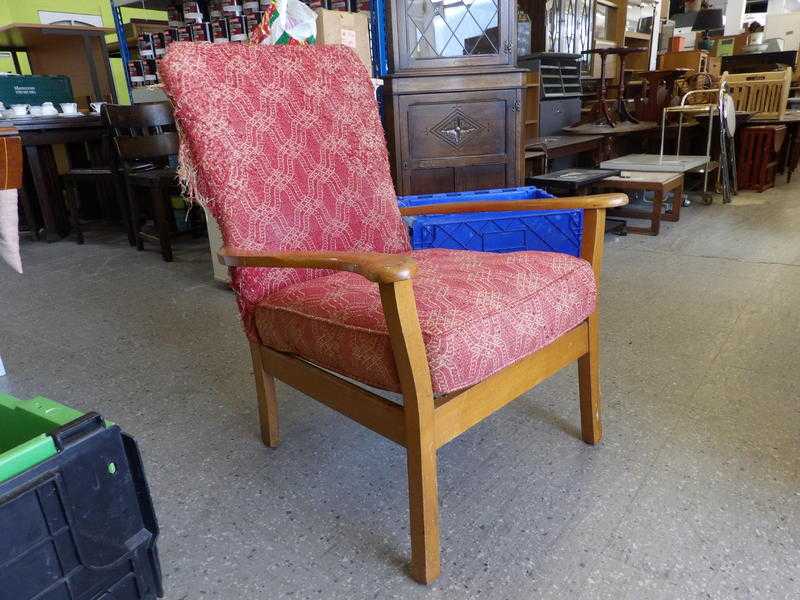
588,202
375,266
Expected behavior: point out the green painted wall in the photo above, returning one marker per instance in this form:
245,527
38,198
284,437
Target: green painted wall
27,11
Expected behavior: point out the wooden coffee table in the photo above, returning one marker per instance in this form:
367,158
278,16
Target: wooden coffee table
660,183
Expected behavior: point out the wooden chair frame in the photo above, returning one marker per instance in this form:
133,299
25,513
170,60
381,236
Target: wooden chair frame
425,423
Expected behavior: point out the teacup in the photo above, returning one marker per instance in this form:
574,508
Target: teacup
69,108
49,109
20,110
96,106
37,111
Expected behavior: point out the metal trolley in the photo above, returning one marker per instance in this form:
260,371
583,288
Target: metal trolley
724,109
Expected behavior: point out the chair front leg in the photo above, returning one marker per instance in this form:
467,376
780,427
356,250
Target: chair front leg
400,310
589,387
594,225
267,401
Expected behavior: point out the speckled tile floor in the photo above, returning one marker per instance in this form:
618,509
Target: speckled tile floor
695,492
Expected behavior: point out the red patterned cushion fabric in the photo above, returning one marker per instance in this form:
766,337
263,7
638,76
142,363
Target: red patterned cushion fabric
284,146
479,312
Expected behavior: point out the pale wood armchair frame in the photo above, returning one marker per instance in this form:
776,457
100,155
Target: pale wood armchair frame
424,423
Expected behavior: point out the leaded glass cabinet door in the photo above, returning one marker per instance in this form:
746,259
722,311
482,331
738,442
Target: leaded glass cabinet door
569,26
451,33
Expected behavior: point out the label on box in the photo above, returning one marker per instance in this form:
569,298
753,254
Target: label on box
251,6
171,35
136,72
150,72
159,44
201,32
192,12
231,7
236,29
185,34
349,38
252,21
219,30
146,46
174,17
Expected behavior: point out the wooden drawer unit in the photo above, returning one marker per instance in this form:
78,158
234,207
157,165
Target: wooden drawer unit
456,140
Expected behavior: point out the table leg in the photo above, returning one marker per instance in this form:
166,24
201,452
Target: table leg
677,202
51,203
27,210
793,153
655,217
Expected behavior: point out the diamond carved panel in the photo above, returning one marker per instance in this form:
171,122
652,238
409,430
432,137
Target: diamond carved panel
456,128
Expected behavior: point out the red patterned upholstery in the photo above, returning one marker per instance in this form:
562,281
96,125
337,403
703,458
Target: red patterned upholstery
284,146
479,312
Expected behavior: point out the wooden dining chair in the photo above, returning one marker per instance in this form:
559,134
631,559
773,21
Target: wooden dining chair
284,146
105,170
145,140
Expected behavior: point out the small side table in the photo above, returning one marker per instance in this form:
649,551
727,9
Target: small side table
571,181
558,146
660,183
599,112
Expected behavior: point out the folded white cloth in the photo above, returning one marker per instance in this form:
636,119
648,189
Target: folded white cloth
9,229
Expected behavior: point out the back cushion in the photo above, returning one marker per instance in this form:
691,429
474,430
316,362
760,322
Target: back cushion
284,146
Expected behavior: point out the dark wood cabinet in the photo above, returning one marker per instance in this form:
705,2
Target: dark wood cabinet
430,34
456,140
453,104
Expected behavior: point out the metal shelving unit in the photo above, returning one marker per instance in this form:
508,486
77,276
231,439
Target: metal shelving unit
123,47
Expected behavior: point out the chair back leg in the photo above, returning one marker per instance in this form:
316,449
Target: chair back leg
123,204
159,200
73,201
267,400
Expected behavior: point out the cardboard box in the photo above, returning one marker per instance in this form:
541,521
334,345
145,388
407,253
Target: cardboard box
729,45
696,60
345,28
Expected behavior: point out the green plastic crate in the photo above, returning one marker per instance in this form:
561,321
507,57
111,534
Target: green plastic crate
24,428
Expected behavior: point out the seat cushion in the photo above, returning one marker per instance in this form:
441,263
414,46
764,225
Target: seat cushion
479,312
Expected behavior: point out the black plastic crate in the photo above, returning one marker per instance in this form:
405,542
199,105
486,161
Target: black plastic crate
80,525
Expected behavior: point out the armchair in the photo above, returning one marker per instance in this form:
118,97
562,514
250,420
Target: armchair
284,146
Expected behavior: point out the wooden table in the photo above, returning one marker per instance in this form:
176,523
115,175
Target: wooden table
39,134
599,112
558,146
660,183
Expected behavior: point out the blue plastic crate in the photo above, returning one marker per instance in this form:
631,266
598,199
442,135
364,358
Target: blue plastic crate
547,230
